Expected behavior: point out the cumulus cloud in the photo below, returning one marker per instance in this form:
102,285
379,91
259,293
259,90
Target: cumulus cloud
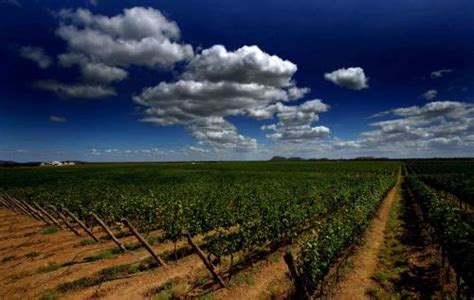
351,78
138,36
216,131
103,47
424,129
76,90
295,122
92,71
184,101
440,73
57,119
37,55
247,64
430,94
219,83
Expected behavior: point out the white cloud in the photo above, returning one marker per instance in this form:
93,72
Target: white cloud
58,119
76,90
98,72
295,122
199,149
351,78
37,55
219,83
216,131
139,36
102,47
184,101
247,64
440,73
430,94
416,131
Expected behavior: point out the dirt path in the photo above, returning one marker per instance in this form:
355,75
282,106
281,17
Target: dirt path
268,279
356,282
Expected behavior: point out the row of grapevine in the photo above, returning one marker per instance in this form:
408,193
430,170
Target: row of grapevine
341,231
460,185
236,210
453,232
456,178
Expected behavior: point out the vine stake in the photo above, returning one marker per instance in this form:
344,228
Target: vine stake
143,242
202,256
83,226
65,221
109,232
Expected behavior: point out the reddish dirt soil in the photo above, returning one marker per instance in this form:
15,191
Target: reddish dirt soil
268,279
355,283
24,249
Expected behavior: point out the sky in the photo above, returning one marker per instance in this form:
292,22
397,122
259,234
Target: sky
235,80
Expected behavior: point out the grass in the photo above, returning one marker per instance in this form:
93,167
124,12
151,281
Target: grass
103,276
381,277
173,289
52,295
50,267
241,278
107,254
50,230
156,239
28,234
163,295
86,242
207,296
392,261
275,258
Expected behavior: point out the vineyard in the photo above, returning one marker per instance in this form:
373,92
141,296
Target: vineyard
197,230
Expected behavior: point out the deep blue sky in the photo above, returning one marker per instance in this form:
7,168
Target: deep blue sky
397,43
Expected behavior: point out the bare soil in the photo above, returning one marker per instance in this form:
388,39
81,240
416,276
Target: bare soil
355,283
26,253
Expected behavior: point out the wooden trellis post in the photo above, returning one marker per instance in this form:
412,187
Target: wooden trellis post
20,207
83,226
27,209
44,212
38,213
13,205
109,232
295,275
2,202
5,203
65,221
143,241
32,211
202,256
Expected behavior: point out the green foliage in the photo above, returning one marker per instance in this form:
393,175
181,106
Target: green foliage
51,295
49,230
86,242
455,177
342,229
453,232
247,205
52,266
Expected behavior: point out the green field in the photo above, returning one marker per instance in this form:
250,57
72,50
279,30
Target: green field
240,208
